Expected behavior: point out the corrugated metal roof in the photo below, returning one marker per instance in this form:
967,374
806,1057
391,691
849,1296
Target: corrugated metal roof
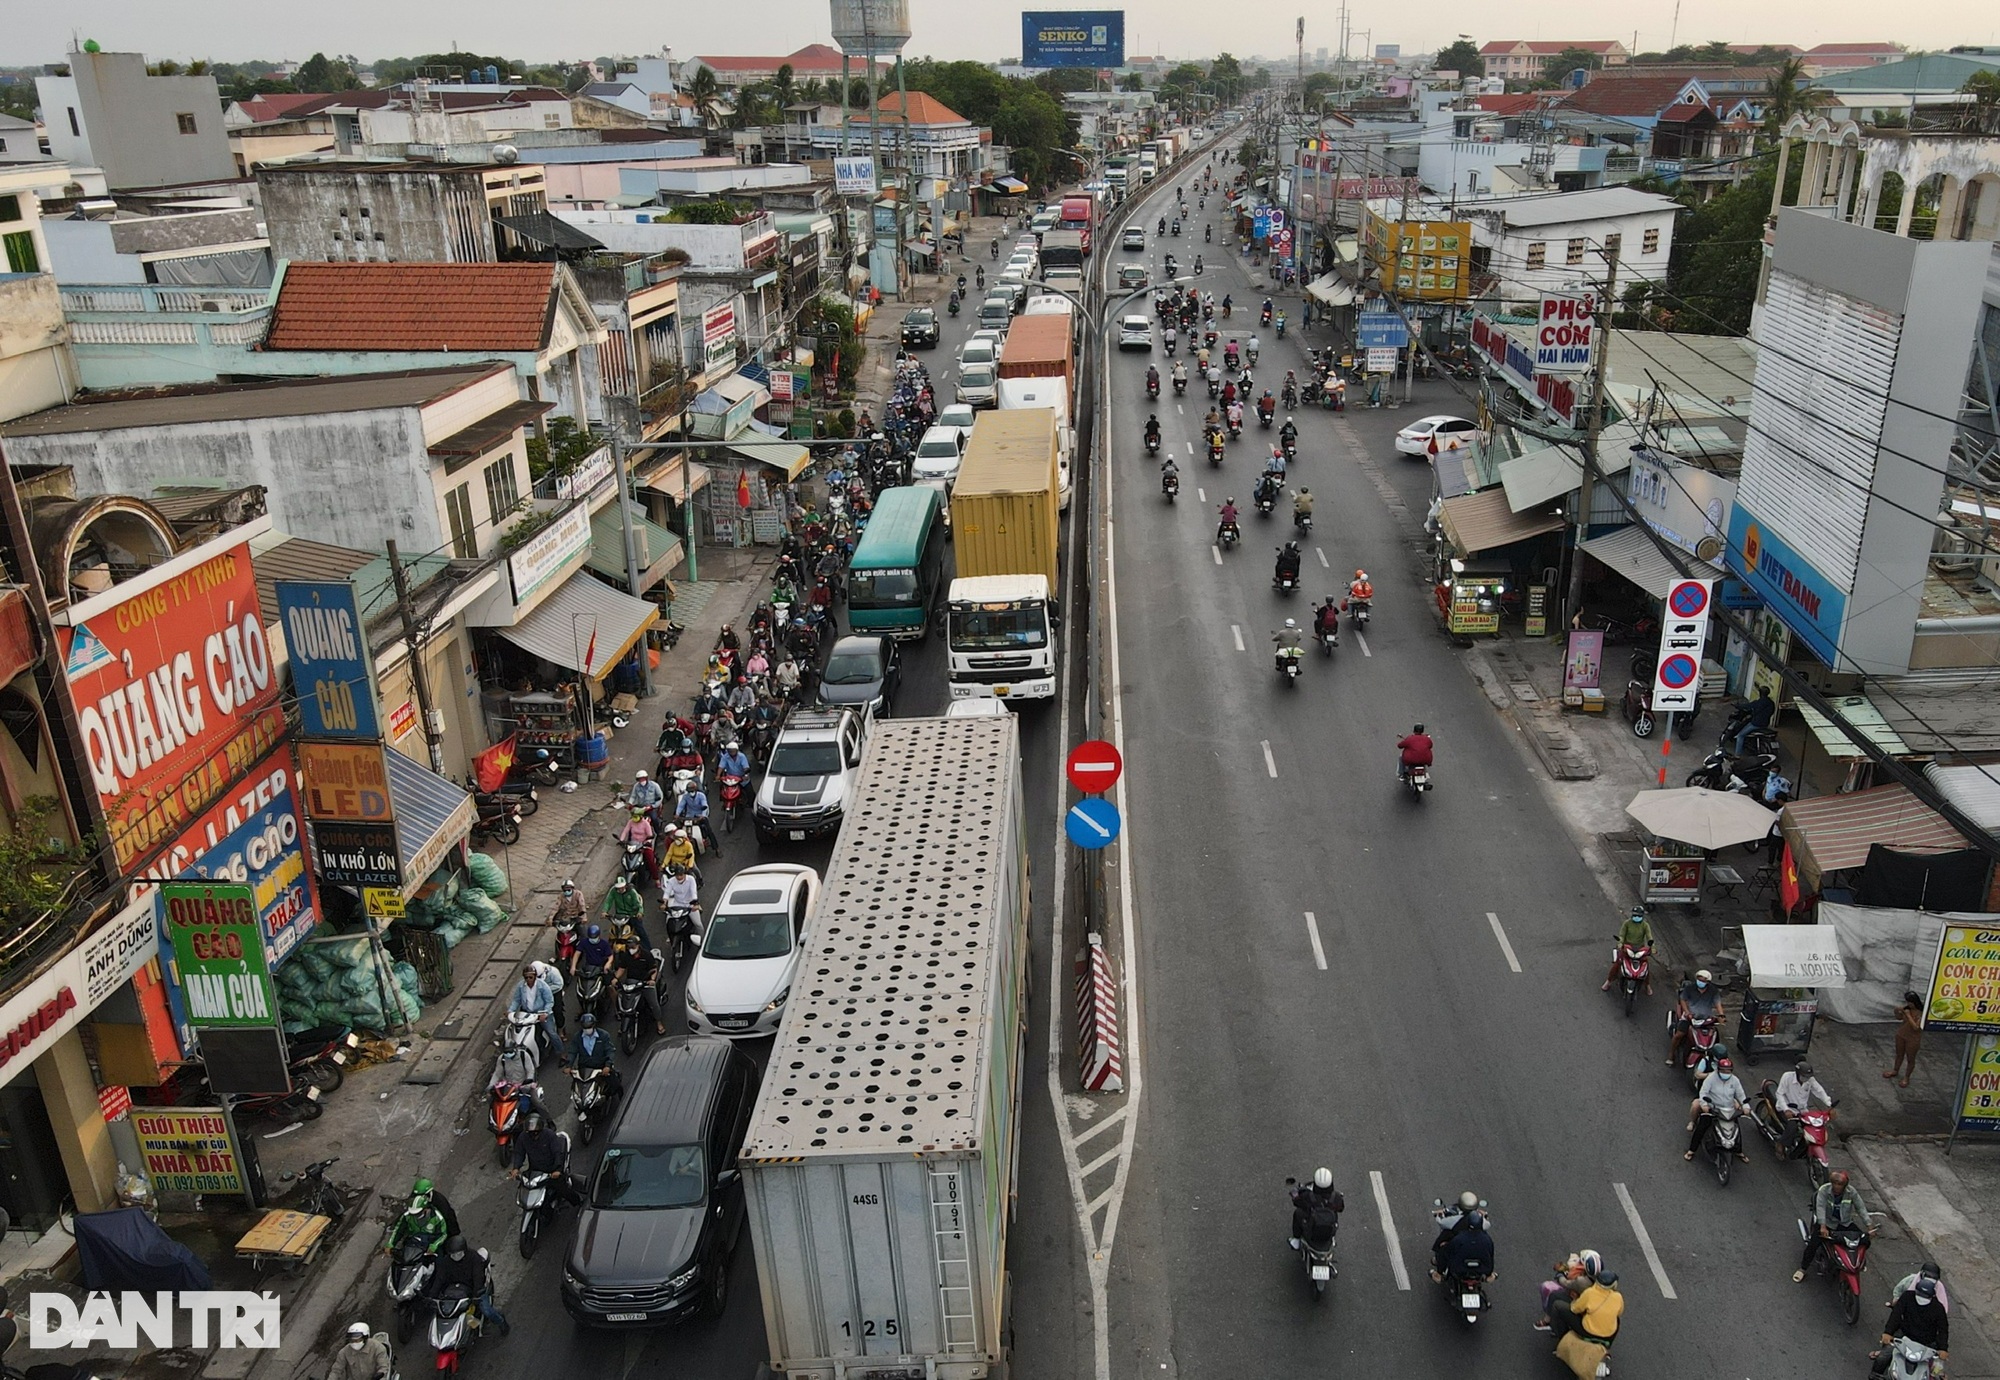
1975,790
431,815
582,612
231,402
1830,833
1483,522
1861,712
1630,552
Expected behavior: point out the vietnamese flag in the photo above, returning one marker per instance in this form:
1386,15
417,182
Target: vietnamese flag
743,488
1788,880
590,651
1434,442
490,768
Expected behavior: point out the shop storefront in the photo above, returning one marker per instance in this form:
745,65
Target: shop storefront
1486,558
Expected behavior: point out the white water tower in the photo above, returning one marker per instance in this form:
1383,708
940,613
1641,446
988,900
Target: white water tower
871,28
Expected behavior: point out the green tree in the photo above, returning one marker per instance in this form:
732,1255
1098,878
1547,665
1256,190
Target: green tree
1789,92
1225,75
1984,88
321,73
1557,69
1715,50
703,91
784,86
1131,81
1460,56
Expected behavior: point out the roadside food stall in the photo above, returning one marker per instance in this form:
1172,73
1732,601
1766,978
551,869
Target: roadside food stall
1687,824
1788,965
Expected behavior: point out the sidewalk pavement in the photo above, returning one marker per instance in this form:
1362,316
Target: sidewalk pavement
393,1120
1894,1136
884,332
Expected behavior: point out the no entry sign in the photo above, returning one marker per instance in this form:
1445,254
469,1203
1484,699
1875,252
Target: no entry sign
1093,766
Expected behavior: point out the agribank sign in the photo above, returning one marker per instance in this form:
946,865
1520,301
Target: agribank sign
174,694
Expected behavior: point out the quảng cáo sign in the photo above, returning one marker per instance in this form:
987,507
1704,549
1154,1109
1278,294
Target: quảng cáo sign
218,954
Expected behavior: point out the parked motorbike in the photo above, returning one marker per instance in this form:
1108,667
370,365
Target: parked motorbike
591,1099
1722,771
1634,962
318,1056
315,1195
300,1104
537,768
524,794
1291,661
1802,1137
507,1106
537,1203
498,818
1638,707
410,1269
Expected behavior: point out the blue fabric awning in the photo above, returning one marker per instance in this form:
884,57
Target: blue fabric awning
432,815
756,372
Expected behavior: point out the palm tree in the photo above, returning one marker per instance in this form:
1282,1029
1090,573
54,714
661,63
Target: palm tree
1789,92
784,90
702,90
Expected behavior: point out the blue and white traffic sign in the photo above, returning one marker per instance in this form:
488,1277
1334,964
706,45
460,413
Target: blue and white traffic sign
1381,330
1092,822
1678,672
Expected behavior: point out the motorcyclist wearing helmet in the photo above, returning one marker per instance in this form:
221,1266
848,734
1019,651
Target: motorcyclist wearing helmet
1326,619
1228,523
593,1051
624,907
1153,429
1414,749
636,963
1289,559
569,906
593,950
1152,378
1288,434
1316,1209
1720,1091
1927,1270
467,1268
1699,999
1837,1206
541,1149
1302,503
1464,1247
679,892
1289,641
365,1357
427,1219
1636,934
1593,1314
1361,587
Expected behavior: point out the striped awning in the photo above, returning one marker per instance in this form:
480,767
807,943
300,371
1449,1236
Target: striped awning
1013,186
1829,833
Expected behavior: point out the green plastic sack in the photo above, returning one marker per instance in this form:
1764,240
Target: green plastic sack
486,913
488,875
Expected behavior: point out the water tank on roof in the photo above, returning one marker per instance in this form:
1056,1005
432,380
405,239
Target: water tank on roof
864,26
492,75
506,153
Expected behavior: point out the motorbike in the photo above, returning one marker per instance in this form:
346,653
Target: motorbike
1286,583
1215,450
1302,523
1633,966
537,1203
525,794
1910,1359
1251,356
1228,534
1290,446
454,1325
1264,317
1214,387
1152,385
1417,781
1281,325
521,1053
590,985
631,1011
1291,663
1235,426
507,1106
300,1104
1698,1059
1638,707
1265,503
591,1099
1317,1256
1758,741
1153,443
1466,1288
1724,1139
632,863
952,306
1230,361
1180,385
410,1269
680,937
1290,397
1360,610
730,788
1329,638
1266,418
318,1056
538,768
1170,485
1794,1138
1722,771
498,818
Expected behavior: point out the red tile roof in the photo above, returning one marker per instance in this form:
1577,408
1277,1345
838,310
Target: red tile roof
925,109
1593,45
1513,103
814,57
1626,96
282,105
413,306
1826,49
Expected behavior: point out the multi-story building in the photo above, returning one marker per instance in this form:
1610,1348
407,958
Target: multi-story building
396,212
1520,59
142,130
36,367
922,135
814,62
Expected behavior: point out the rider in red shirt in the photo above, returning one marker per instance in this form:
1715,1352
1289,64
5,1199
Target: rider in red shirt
1415,747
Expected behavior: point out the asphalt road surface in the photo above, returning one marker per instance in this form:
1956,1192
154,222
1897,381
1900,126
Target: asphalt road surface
1335,974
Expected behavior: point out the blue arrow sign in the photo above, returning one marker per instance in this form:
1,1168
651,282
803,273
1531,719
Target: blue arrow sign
1092,822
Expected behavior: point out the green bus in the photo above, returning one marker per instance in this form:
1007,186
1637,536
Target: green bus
895,576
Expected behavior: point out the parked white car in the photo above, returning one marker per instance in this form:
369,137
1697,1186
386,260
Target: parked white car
742,975
1449,432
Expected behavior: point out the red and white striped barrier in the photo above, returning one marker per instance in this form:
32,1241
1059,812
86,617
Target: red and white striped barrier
1098,1063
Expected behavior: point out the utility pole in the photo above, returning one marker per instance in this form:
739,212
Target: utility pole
631,557
1593,427
419,679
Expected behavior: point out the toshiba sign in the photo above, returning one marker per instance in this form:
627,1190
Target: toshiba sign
1565,332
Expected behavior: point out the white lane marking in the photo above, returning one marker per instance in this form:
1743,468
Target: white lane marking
1324,564
1364,643
1112,1120
1190,446
1216,552
1270,762
1505,947
1201,493
1236,632
1319,953
1181,408
1396,1265
1101,1161
1645,1242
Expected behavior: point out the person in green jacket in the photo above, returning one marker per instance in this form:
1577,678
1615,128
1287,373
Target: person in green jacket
1635,933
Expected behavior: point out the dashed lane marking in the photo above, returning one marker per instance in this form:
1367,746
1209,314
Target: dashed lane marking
1505,947
1396,1265
1312,929
1270,762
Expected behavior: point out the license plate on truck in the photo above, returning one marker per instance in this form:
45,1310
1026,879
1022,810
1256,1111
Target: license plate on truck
1000,691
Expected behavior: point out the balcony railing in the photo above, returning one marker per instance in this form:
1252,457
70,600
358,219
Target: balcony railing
149,298
669,391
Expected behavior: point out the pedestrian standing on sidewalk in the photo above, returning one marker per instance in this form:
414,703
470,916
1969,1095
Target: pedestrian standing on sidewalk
1909,1035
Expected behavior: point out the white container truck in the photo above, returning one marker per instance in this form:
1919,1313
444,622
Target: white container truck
880,1162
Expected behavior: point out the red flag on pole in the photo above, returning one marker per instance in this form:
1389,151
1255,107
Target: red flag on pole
590,652
743,488
490,767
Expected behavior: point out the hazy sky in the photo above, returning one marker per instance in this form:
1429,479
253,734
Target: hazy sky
536,29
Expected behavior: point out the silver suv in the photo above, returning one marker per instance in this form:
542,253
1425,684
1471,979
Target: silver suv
812,771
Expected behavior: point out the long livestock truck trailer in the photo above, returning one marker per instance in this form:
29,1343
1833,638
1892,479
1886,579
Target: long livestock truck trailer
882,1155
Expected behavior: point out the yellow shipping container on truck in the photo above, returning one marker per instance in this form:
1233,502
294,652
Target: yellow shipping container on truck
1004,507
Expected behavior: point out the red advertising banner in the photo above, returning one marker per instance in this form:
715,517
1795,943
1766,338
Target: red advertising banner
176,697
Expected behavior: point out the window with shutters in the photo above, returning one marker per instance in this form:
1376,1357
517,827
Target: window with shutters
1538,254
464,535
1574,254
503,494
1652,242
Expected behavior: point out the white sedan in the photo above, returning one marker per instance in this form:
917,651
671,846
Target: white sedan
1135,333
743,974
1449,432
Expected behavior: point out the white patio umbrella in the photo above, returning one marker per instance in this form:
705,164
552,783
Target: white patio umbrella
1707,819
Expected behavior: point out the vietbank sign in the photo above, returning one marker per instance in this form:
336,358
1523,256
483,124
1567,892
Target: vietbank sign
1812,607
